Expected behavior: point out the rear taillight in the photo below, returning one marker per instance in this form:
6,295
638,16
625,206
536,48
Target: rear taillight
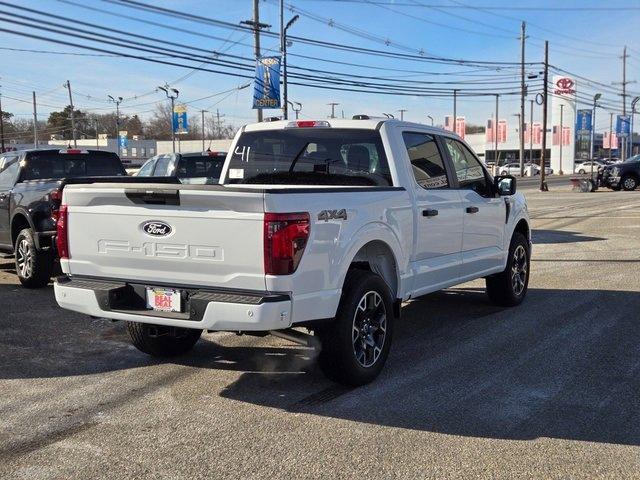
56,199
62,240
285,237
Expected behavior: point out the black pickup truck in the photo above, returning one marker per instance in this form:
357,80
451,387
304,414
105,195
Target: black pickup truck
31,183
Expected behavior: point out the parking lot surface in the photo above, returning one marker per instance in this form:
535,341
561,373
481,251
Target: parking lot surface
550,389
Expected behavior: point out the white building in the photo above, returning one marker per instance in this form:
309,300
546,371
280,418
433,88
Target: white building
190,146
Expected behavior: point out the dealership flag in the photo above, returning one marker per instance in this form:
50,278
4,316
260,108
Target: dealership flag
490,137
461,126
502,131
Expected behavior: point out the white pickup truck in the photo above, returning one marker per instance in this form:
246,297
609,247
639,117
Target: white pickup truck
328,225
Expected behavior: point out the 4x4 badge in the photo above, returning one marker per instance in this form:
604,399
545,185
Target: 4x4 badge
327,215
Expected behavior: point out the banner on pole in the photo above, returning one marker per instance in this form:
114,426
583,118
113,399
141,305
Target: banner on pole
179,121
461,126
266,92
583,133
122,139
623,123
502,131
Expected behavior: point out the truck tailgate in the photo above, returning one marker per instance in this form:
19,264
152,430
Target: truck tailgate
166,234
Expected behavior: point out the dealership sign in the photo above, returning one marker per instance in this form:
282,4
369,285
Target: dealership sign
266,92
564,86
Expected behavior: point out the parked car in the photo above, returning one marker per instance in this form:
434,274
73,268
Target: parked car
585,167
623,175
328,225
31,183
189,168
530,169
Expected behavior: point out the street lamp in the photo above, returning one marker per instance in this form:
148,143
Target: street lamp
171,94
117,101
521,160
283,48
430,118
296,107
633,112
560,172
596,97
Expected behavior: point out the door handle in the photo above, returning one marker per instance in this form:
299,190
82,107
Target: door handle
472,209
429,213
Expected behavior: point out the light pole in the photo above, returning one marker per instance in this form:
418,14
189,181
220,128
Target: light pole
296,107
430,118
117,101
531,133
633,113
596,97
171,94
203,112
520,160
610,134
560,172
283,48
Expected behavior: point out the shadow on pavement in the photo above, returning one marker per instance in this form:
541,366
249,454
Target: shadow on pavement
565,364
560,236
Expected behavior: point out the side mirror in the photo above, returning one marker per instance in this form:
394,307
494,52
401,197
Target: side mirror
506,185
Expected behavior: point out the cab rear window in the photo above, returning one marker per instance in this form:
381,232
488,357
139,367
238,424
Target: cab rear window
209,166
45,165
310,156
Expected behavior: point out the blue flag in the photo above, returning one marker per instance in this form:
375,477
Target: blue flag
266,92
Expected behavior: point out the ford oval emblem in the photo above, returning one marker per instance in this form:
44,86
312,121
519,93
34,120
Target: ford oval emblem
156,228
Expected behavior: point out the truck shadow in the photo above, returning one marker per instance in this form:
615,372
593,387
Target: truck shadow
565,364
539,237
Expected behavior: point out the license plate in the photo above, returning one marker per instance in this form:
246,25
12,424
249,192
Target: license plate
163,299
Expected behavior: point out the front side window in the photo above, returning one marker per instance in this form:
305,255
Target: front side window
426,161
310,156
469,171
8,175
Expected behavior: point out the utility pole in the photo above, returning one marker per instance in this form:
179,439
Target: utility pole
95,123
171,94
522,95
117,101
1,127
611,134
545,89
624,98
495,131
257,26
402,110
455,109
531,133
561,137
202,112
333,106
218,123
35,122
73,120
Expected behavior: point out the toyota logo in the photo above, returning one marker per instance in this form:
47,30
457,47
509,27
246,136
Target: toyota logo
565,83
156,228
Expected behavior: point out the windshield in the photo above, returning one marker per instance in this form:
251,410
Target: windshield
209,166
48,164
310,156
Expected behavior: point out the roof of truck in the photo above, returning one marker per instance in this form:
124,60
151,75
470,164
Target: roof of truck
371,123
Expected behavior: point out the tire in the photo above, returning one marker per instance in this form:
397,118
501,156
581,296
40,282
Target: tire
34,267
509,287
161,341
504,173
366,313
581,171
629,182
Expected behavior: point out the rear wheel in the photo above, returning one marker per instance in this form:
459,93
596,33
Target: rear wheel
582,171
509,287
355,346
34,267
504,173
162,341
629,182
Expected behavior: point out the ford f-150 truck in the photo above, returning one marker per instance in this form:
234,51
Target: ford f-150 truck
328,225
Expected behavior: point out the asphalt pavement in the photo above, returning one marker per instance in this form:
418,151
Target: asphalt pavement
550,389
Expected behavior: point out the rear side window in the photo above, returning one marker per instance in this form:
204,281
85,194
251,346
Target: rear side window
147,168
47,164
310,156
162,166
209,166
426,161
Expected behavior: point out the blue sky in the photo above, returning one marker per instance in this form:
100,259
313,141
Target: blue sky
586,42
